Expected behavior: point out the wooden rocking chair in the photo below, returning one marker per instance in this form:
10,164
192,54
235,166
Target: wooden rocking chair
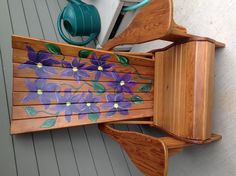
58,85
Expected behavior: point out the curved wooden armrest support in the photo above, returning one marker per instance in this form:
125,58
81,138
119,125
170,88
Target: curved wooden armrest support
149,154
154,21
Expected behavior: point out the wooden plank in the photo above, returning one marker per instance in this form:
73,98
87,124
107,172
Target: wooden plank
21,56
74,86
20,42
30,73
113,66
18,97
82,151
19,112
99,152
30,125
24,145
7,150
66,160
44,149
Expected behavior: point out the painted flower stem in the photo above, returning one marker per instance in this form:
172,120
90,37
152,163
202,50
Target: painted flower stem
139,75
48,113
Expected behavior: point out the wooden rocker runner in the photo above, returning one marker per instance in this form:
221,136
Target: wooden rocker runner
57,85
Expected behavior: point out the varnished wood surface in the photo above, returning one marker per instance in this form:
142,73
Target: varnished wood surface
149,154
19,85
18,96
20,56
18,112
30,115
152,22
34,125
183,89
155,21
20,42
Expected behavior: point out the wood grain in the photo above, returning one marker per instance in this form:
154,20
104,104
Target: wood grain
30,73
21,57
183,89
152,22
155,21
29,116
75,86
18,96
18,112
33,125
149,154
20,42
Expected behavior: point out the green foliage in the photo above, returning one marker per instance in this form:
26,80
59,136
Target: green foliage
84,53
48,123
93,117
31,111
123,60
136,99
145,88
52,48
98,87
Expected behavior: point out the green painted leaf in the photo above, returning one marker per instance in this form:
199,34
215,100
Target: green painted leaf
98,87
31,111
52,48
84,53
137,99
123,60
145,88
93,117
48,123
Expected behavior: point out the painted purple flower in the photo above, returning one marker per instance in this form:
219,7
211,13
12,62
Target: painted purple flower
122,83
37,90
89,104
74,69
116,103
67,103
41,62
100,66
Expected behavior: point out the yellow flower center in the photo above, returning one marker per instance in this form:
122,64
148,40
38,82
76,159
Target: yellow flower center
39,65
88,104
116,105
75,69
100,68
68,103
122,83
39,92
